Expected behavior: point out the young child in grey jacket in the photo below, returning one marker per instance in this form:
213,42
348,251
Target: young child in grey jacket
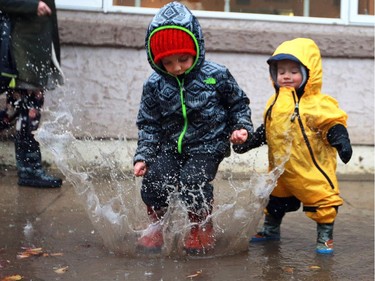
190,111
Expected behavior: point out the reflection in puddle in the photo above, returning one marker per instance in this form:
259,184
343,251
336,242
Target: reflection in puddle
112,198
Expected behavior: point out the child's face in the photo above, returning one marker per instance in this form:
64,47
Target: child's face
177,64
289,74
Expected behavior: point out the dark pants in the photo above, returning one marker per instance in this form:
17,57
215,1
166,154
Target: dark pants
190,175
25,106
278,206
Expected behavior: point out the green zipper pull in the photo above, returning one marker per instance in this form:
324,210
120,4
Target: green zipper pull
12,83
184,114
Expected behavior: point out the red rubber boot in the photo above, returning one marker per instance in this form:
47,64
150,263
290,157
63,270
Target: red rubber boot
152,240
200,240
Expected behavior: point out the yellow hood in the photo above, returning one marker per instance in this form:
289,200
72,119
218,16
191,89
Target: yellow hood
307,53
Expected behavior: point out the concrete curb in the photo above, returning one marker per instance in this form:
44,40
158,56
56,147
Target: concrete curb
360,167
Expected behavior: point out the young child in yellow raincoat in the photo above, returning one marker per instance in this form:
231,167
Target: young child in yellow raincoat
303,128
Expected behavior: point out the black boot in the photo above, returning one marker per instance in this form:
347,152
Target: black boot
29,165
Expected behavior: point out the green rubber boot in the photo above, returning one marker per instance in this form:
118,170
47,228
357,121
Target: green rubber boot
270,230
324,243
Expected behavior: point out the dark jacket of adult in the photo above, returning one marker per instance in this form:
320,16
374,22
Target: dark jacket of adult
35,43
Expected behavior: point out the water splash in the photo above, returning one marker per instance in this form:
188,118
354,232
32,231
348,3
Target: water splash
28,230
112,199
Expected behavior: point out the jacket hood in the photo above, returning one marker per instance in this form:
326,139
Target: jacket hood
176,15
307,53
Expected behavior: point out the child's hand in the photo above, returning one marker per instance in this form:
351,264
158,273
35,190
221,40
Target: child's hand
255,140
338,137
140,169
239,136
43,9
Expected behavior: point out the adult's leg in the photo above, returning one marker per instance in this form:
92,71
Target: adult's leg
28,105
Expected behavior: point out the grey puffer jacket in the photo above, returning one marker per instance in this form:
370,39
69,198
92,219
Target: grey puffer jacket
193,113
32,39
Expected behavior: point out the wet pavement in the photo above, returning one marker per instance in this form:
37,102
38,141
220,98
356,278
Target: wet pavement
56,221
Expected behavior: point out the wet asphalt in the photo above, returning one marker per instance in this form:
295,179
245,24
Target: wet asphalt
46,234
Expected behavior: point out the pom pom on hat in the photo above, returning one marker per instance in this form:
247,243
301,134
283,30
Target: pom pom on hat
167,42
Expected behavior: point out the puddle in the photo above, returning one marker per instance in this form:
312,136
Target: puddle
113,203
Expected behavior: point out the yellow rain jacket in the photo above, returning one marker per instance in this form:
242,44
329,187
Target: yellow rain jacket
296,130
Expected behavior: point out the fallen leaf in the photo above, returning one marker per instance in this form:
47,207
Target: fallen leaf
33,250
314,267
56,254
62,270
22,256
196,274
12,278
288,269
30,252
53,254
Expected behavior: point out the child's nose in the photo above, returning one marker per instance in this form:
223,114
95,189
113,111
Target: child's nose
287,75
177,67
